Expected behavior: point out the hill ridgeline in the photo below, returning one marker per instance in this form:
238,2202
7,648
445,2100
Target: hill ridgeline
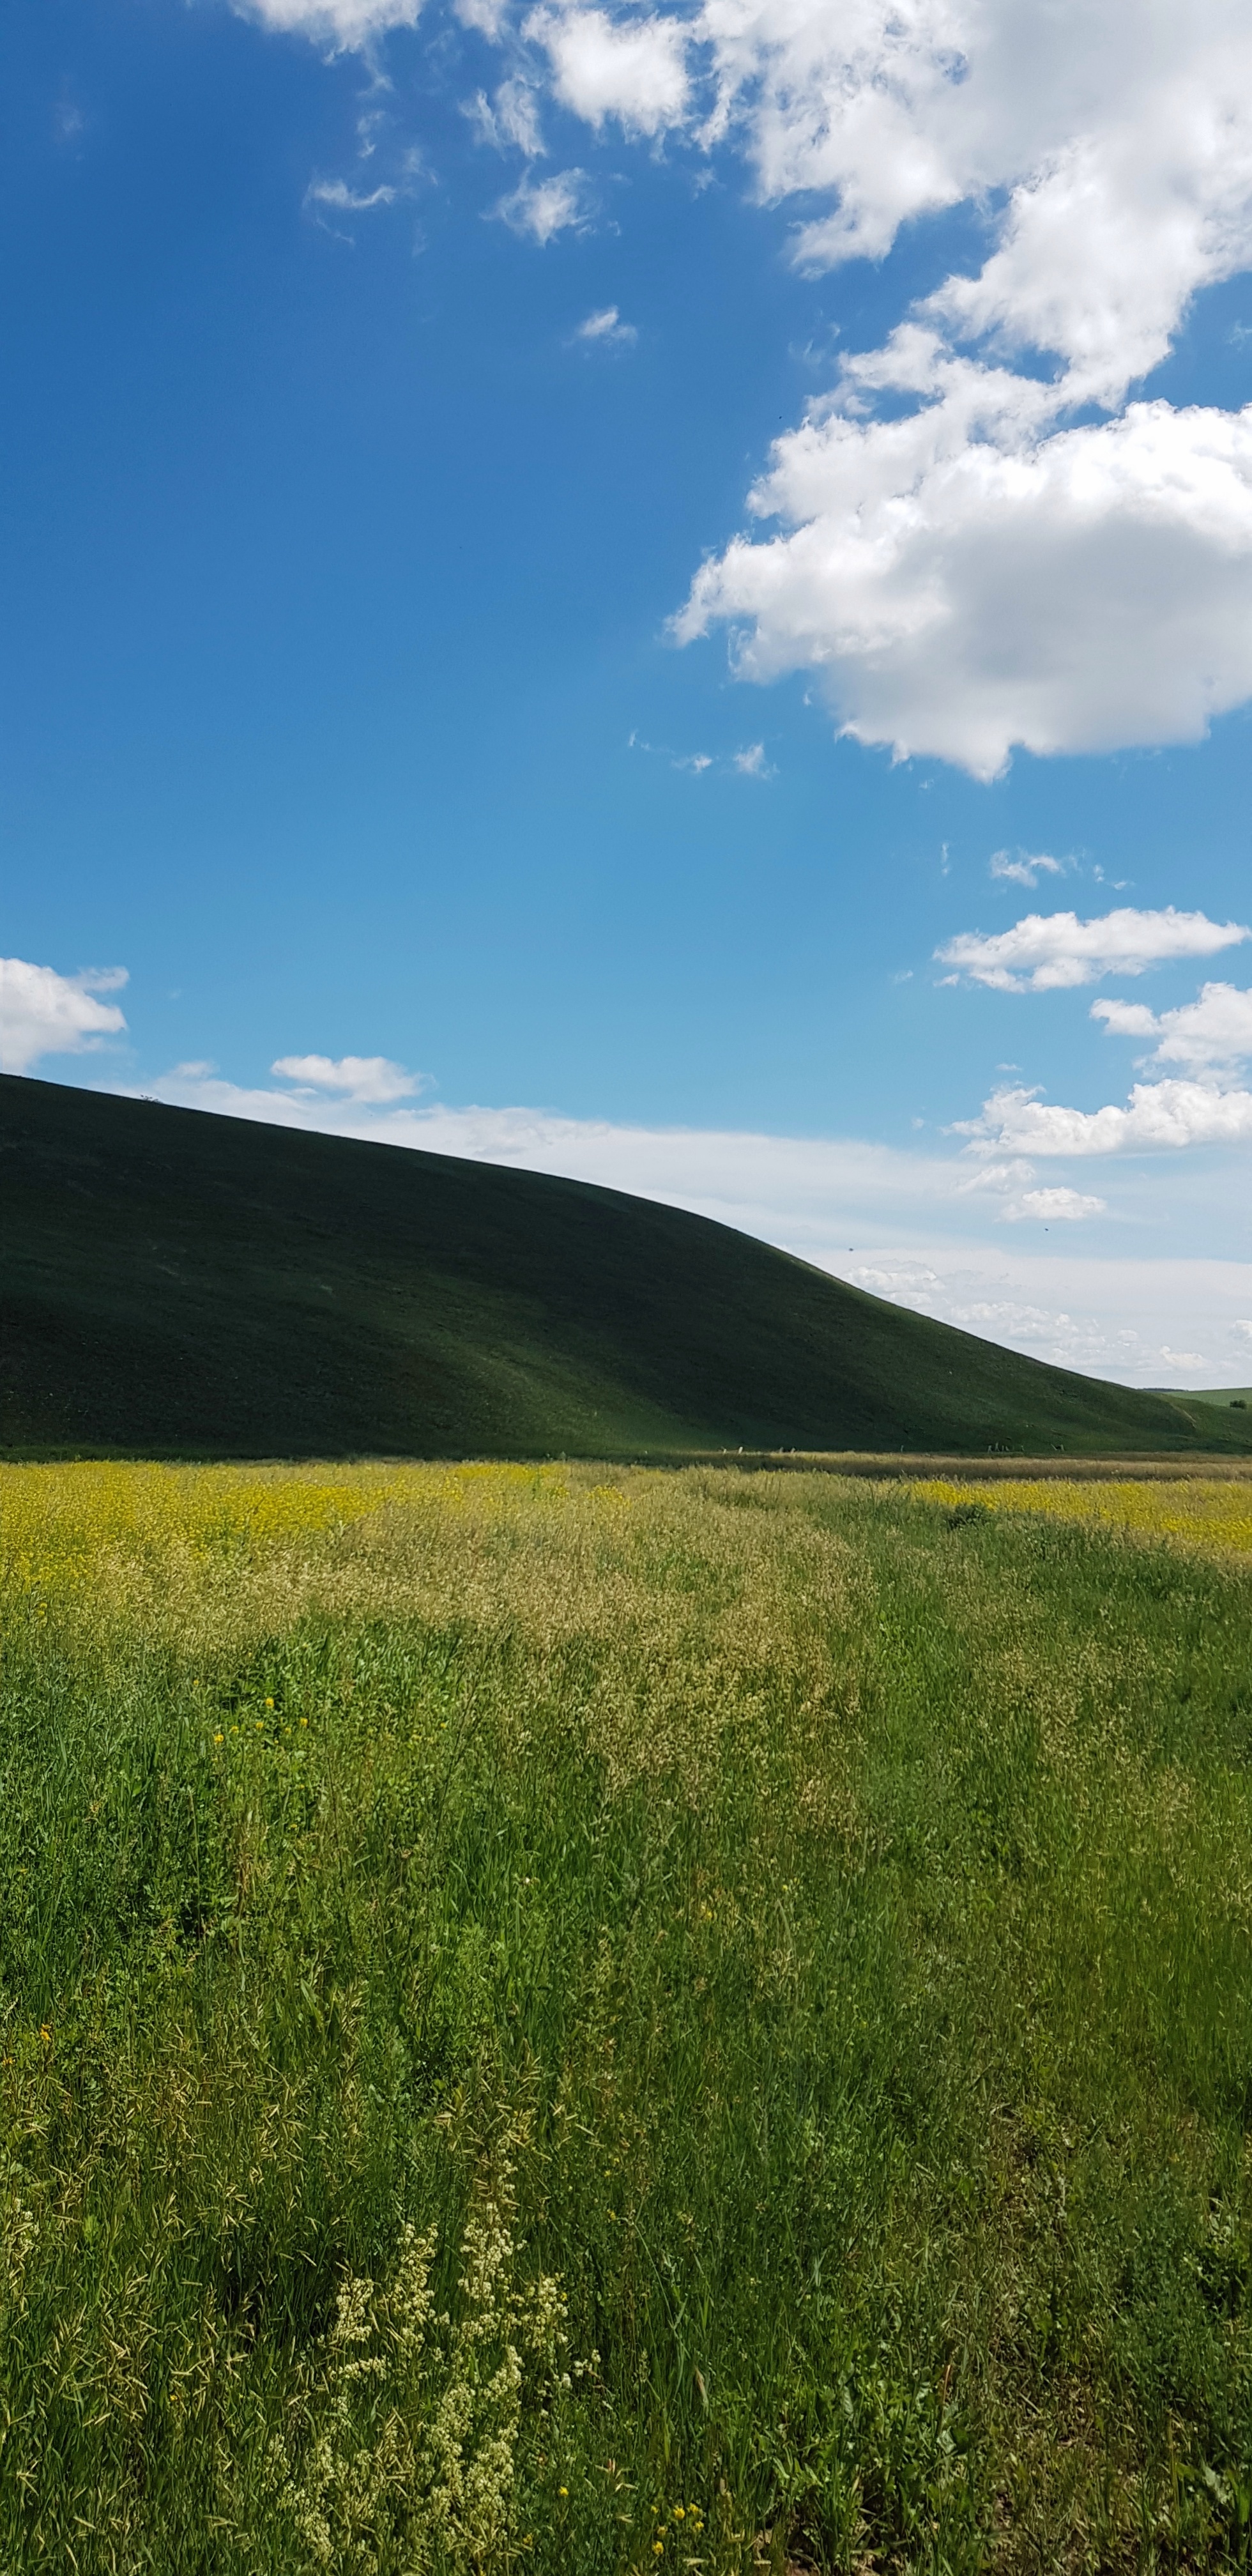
178,1284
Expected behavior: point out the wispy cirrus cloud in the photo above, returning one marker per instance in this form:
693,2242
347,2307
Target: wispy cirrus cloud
336,194
605,329
748,762
1024,867
509,121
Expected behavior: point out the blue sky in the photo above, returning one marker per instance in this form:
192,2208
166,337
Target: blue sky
405,690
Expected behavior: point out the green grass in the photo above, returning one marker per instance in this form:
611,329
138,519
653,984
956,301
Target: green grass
183,1285
804,1931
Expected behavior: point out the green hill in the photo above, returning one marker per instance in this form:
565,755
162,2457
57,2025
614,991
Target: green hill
179,1284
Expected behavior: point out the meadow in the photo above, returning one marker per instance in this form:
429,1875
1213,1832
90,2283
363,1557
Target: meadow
590,2020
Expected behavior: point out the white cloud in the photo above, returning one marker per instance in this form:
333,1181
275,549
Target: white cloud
1158,1114
341,199
372,1079
510,121
1121,131
606,329
488,17
1243,1326
972,572
1024,867
961,581
1063,1205
748,762
1215,1029
635,72
1007,1181
43,1013
1049,951
344,25
980,573
545,207
1117,1318
1117,137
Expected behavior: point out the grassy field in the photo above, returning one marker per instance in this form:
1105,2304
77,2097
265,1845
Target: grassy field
1210,1513
594,2021
183,1285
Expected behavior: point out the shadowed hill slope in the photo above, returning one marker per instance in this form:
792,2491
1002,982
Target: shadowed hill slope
176,1283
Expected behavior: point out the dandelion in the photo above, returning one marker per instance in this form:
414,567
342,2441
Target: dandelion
218,1737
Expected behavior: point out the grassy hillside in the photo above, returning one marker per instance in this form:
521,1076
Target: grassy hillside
175,1283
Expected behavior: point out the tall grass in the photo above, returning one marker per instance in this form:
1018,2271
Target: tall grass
595,2021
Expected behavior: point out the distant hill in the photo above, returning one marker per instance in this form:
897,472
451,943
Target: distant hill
173,1283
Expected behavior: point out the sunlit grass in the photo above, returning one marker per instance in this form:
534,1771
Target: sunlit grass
589,2020
1209,1513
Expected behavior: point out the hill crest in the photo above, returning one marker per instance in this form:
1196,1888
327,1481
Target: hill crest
174,1282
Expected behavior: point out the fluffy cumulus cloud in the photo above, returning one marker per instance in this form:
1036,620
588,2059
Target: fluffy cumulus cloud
979,568
43,1013
975,539
629,68
367,1078
959,583
1215,1029
1157,1115
1211,1037
1051,951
